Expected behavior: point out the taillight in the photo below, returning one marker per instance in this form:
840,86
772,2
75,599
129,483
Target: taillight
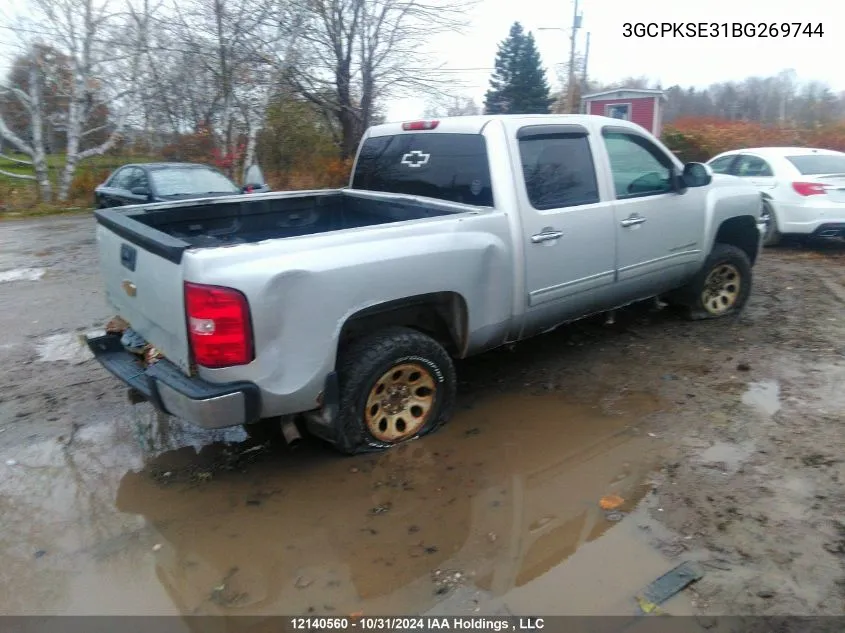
420,125
808,188
218,325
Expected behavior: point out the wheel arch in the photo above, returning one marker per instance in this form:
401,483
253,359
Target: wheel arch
441,315
742,232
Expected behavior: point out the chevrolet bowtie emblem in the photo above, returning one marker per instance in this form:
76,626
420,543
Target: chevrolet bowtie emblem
130,288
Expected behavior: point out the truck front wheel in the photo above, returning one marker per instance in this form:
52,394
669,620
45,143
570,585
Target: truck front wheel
722,286
395,385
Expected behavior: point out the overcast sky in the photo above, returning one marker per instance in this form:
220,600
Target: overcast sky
688,62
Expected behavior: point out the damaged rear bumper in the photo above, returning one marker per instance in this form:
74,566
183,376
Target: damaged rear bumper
209,405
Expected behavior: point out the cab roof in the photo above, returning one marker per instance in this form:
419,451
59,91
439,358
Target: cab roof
475,124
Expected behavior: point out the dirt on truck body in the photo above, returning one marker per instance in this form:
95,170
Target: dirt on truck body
723,441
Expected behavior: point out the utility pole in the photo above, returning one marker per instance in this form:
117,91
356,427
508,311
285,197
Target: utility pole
584,70
576,24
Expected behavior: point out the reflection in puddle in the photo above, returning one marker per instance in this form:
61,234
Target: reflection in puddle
63,347
763,396
505,498
728,455
22,274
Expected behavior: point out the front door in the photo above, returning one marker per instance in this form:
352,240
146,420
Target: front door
659,231
568,229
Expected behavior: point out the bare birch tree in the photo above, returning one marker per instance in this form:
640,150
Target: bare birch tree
358,53
103,49
32,104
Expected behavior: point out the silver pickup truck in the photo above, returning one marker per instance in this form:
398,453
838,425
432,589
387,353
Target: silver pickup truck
339,312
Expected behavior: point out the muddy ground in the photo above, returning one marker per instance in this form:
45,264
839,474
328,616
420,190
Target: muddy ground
723,438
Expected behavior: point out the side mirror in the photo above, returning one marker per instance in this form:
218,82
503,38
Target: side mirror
697,175
140,191
253,179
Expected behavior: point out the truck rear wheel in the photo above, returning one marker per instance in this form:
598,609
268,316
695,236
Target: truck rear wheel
395,385
722,286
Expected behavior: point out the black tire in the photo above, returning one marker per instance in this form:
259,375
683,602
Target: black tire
772,236
363,368
723,257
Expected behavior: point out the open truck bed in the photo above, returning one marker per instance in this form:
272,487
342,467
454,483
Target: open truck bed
169,229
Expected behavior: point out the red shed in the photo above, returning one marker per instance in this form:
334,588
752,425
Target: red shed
643,107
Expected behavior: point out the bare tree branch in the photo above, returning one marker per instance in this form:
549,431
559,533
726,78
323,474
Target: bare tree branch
14,175
15,160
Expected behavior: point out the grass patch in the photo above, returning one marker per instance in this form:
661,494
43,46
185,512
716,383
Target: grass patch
21,196
98,166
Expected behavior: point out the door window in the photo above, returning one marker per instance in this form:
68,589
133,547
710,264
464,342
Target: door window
121,179
137,179
723,164
638,166
558,170
752,167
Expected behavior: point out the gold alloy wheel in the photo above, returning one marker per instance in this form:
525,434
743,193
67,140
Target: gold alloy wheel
400,402
721,289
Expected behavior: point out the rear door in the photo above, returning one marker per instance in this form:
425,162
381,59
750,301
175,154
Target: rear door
567,228
755,171
145,288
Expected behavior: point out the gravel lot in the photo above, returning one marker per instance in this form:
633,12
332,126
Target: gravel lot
723,438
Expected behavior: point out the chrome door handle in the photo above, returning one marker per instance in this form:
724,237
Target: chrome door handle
546,236
632,220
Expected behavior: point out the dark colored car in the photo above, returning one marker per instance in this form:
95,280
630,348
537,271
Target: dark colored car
160,182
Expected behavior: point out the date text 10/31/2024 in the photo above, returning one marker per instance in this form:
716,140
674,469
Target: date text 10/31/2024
428,623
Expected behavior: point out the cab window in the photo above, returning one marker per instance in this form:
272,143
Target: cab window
638,166
558,170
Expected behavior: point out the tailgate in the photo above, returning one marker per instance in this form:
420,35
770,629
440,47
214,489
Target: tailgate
146,290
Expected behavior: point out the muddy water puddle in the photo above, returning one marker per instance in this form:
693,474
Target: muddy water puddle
142,516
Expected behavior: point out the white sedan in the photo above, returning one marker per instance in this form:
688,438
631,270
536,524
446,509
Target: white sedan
803,188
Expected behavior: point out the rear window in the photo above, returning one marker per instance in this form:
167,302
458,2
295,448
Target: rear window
449,167
815,164
178,181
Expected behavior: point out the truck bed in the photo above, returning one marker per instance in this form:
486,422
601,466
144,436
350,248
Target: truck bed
229,221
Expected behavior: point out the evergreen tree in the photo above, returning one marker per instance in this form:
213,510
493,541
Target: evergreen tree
518,85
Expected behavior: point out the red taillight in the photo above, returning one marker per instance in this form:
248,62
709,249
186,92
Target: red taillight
808,188
218,325
420,125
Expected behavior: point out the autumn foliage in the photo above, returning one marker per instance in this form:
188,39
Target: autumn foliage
699,139
324,173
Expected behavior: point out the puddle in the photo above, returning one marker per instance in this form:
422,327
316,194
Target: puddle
763,396
22,274
727,456
504,501
63,347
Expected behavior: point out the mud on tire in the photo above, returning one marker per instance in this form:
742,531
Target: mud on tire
722,286
395,385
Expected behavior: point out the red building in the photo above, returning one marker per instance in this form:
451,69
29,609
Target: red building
643,107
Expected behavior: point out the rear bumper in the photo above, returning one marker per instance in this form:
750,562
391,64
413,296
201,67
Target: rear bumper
209,405
830,229
810,218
